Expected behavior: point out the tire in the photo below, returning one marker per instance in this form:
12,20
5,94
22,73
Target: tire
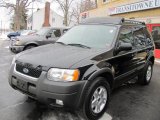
89,110
144,78
29,47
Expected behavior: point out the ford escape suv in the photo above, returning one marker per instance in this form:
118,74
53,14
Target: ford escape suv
85,64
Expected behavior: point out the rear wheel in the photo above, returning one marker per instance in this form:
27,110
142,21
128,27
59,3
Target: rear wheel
96,99
144,78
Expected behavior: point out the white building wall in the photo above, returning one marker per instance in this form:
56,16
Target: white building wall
38,19
56,20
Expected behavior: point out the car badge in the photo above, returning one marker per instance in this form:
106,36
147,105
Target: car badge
25,70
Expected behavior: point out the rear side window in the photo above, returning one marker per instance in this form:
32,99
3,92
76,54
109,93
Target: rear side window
126,35
139,37
148,37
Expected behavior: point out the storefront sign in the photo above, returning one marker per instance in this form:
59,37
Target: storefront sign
142,5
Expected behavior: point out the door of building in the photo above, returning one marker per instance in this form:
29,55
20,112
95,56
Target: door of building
156,37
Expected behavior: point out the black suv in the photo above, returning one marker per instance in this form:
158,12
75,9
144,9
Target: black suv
85,64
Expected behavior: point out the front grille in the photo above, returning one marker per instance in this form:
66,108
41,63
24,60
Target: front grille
28,69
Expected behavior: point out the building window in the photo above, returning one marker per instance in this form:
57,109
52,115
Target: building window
105,1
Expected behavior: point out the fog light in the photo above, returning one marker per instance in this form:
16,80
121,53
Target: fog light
59,102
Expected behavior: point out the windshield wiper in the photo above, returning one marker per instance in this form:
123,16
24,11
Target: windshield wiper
79,45
61,43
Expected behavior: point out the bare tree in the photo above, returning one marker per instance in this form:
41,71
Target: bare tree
76,10
19,9
88,5
65,6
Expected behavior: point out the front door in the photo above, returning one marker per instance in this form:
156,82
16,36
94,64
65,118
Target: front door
126,61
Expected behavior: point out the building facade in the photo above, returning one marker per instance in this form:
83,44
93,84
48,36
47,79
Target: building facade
55,20
147,11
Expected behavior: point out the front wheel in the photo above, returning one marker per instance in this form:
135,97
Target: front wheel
144,78
29,47
96,99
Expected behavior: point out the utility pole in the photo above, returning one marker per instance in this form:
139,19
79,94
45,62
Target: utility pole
32,17
1,26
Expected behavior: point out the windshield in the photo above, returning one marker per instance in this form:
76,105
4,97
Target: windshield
43,31
93,36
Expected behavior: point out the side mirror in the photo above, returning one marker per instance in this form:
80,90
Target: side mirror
48,35
124,47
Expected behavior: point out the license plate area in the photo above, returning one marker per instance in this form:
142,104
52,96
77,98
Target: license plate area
20,84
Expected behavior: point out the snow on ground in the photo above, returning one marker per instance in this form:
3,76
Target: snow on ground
157,60
3,37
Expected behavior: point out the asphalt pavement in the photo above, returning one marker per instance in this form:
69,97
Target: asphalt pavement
128,102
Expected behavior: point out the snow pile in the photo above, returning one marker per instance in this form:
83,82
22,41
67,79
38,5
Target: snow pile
3,37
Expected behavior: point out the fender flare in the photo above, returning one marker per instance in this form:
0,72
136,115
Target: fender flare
91,78
99,72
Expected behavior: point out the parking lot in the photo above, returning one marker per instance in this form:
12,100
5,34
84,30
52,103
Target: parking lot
128,102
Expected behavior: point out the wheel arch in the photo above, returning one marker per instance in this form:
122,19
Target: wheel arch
152,59
30,44
106,73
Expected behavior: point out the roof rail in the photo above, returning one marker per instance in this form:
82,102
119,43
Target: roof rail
103,20
133,22
110,20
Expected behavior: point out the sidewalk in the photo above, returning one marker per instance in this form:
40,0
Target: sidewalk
157,60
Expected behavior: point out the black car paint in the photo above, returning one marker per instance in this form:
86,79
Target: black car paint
117,67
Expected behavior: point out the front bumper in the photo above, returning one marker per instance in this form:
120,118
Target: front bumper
16,49
47,91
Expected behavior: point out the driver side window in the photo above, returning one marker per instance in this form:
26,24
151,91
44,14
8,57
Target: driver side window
126,35
55,33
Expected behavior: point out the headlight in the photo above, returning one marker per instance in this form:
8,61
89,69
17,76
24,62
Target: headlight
17,42
56,74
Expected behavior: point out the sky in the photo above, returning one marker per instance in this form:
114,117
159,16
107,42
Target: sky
5,17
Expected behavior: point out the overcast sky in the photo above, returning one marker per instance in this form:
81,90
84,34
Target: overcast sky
5,17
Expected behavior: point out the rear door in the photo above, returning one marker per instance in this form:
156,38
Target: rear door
140,38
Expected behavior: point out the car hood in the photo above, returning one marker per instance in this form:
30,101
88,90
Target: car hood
56,55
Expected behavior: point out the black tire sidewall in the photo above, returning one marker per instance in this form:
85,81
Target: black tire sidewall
87,105
29,47
149,64
142,78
